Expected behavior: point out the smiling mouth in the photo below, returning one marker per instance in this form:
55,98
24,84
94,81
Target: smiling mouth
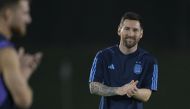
129,39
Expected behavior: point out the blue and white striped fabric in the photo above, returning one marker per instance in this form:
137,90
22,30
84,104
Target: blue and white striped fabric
155,77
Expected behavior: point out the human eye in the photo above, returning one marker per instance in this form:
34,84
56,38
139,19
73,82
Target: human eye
126,28
135,30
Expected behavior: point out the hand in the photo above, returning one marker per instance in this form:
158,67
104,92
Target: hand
132,88
28,62
128,89
121,91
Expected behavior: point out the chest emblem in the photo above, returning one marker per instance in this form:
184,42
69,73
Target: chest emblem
137,68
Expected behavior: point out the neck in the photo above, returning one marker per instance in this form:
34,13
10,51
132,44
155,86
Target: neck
126,50
4,30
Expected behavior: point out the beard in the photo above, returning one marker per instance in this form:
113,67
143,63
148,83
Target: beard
130,42
18,31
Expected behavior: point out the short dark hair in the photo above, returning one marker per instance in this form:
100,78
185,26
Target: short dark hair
131,16
7,3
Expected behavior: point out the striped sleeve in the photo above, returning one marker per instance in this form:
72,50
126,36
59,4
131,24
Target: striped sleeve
96,72
150,80
154,77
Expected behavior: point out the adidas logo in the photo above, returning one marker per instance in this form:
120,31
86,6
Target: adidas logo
111,67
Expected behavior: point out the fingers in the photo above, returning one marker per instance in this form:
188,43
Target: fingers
135,83
132,82
131,92
37,57
132,88
128,89
21,51
36,60
120,91
29,60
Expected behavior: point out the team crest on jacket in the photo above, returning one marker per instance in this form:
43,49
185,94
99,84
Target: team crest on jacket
137,68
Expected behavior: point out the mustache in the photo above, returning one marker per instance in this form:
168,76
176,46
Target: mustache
130,38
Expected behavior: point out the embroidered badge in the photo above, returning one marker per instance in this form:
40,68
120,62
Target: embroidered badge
137,68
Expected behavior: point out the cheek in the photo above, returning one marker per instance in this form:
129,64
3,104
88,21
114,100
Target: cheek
123,33
21,17
138,35
123,38
138,38
18,24
17,20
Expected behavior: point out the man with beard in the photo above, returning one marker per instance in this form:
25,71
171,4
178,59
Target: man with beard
124,75
15,67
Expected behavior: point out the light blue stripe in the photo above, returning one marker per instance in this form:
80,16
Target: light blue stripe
154,77
101,106
93,70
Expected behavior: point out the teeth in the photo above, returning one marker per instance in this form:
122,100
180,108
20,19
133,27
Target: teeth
129,39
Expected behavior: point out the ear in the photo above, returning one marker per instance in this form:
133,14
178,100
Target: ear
119,30
8,14
141,34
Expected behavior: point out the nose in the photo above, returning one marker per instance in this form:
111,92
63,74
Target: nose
29,19
130,33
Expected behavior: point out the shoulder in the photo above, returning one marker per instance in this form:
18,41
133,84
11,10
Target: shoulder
107,51
8,58
147,56
8,53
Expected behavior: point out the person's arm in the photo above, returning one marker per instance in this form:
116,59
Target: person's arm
149,83
103,90
14,79
142,94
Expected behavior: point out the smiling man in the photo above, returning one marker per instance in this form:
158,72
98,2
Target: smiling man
124,75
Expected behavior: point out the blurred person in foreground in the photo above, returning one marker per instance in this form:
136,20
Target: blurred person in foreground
16,67
125,75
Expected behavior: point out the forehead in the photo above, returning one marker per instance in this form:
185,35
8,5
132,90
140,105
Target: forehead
24,4
131,23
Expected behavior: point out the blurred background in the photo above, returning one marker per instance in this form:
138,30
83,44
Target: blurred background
70,32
